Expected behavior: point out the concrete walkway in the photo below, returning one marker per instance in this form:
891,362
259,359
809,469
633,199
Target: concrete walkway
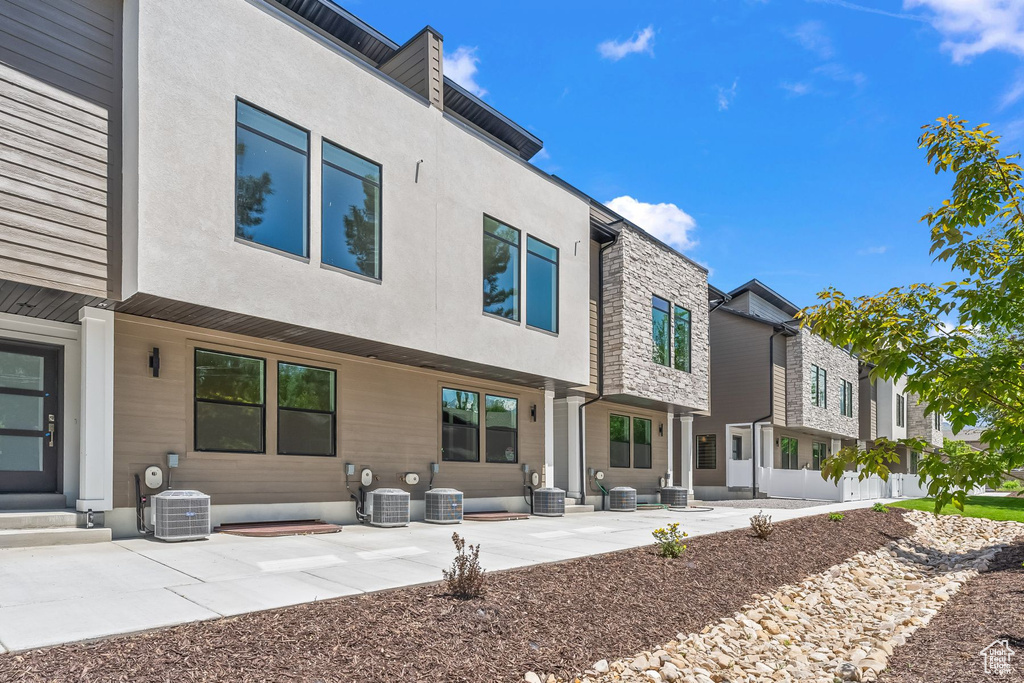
55,595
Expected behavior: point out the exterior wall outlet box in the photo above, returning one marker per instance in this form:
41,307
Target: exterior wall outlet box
172,459
350,469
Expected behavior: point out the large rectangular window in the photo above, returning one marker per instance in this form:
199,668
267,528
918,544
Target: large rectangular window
819,387
790,452
460,425
707,452
681,337
501,269
938,422
618,447
901,410
845,398
541,285
915,459
351,212
502,423
271,181
641,443
305,410
819,451
660,330
229,402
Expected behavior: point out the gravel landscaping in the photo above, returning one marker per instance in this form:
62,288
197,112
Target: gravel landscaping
986,609
841,624
557,618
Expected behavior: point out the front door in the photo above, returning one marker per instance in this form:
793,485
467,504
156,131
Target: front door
29,418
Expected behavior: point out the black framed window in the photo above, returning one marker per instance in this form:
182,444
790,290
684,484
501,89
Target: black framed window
707,452
541,285
790,448
306,410
460,425
618,441
819,451
501,415
845,398
681,337
351,187
660,324
641,443
501,269
901,410
230,402
938,422
915,459
271,181
819,387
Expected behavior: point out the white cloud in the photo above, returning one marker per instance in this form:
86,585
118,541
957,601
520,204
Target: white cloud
839,73
667,222
973,27
1014,93
461,67
641,42
727,95
798,88
812,36
862,8
869,251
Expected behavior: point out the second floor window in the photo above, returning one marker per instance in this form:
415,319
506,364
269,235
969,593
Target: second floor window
351,212
901,410
790,452
541,285
938,422
660,330
681,326
845,398
819,387
271,181
501,269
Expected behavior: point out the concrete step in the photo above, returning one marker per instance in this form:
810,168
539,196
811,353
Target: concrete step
33,538
32,501
573,508
38,519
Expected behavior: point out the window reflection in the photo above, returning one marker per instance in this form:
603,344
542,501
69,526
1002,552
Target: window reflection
351,212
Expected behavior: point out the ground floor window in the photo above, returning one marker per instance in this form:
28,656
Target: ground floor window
915,457
819,452
460,425
641,443
789,447
707,452
230,402
618,447
305,410
502,435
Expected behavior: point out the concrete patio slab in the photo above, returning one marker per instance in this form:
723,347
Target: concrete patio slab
252,594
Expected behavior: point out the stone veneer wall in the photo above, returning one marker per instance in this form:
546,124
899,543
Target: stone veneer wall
802,351
636,268
921,425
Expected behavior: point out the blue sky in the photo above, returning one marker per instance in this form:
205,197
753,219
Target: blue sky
764,138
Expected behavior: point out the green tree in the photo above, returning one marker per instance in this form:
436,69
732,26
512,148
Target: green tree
251,194
959,342
361,230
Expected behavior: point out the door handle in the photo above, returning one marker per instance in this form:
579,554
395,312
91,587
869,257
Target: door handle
53,427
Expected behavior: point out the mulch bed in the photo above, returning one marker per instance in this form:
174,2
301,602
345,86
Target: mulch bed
555,618
987,608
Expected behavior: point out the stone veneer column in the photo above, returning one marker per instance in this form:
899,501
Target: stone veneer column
96,431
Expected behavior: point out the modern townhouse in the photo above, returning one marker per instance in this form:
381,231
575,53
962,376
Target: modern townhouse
252,241
782,400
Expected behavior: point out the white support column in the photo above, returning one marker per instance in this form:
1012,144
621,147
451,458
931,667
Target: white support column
96,432
686,443
573,446
669,473
549,439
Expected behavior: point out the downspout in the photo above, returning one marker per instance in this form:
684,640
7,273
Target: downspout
779,329
600,365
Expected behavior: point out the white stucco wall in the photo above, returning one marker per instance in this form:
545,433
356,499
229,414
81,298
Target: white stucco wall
887,390
195,58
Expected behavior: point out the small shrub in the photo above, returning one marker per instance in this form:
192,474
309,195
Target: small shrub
1010,485
670,540
836,516
762,525
465,579
879,507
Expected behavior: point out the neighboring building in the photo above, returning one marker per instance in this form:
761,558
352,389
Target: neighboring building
782,400
649,367
328,254
895,414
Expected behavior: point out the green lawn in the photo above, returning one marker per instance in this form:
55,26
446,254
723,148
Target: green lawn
990,507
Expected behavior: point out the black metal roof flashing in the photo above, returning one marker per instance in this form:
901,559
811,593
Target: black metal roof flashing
768,294
376,48
786,328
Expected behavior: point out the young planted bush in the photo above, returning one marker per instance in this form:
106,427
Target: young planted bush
836,516
670,540
879,507
762,525
1010,485
465,578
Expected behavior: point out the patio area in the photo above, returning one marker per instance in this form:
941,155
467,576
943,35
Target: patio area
53,595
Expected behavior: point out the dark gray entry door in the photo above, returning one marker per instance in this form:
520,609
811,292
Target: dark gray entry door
29,418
